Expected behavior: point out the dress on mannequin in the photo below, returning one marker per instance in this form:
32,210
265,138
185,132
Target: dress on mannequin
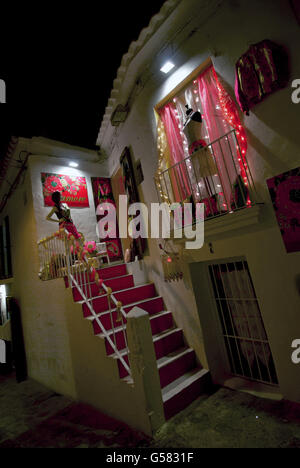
201,156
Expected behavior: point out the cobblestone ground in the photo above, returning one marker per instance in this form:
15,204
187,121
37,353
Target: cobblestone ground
33,416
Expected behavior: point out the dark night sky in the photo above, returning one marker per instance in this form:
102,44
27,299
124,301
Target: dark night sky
59,66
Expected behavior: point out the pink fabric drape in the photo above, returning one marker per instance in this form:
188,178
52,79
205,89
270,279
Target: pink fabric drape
178,175
216,126
221,115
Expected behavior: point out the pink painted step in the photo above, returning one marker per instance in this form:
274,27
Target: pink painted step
138,293
135,294
153,306
104,273
183,391
164,343
174,365
116,284
159,323
112,271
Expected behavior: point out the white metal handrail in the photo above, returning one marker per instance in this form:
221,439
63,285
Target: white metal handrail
63,256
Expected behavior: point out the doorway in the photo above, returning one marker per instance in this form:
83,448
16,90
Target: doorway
244,336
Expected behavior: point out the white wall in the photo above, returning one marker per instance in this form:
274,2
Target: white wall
273,137
44,305
41,303
83,218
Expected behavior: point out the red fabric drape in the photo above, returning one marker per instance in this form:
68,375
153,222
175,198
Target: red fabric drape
221,115
178,175
231,115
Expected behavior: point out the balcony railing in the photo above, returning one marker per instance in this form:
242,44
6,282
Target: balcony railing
217,175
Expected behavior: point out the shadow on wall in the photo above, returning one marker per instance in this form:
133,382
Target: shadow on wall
174,299
266,153
297,282
280,114
272,112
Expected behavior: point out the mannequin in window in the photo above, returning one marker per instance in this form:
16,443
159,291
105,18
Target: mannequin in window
201,156
204,165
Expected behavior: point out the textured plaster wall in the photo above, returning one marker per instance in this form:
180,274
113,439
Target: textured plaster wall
41,303
61,349
83,218
273,138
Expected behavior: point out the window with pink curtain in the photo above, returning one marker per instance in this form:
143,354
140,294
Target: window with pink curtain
178,175
219,116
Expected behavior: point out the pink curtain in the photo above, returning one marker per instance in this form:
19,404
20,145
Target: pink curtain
221,116
178,175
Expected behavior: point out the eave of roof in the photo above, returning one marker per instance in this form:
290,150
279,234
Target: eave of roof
146,33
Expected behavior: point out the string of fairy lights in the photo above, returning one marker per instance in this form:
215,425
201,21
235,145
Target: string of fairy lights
161,147
231,115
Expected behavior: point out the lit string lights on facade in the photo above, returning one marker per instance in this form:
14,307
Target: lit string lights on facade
161,147
232,117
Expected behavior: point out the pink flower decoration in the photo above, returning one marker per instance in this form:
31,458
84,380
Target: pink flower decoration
90,246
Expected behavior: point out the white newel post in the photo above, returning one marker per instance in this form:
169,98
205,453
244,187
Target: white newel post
144,366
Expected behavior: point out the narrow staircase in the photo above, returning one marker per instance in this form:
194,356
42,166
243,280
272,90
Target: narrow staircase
182,379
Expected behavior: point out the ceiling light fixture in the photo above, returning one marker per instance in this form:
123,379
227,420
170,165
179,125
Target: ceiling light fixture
167,67
73,164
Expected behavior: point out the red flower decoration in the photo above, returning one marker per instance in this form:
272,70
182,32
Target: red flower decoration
53,184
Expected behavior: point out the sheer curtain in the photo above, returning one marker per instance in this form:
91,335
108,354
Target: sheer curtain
178,175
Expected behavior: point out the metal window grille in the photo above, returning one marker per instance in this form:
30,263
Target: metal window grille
244,334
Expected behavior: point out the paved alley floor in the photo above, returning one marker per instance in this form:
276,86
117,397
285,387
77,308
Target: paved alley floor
33,416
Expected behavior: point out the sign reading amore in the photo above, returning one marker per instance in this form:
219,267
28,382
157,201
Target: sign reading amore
73,189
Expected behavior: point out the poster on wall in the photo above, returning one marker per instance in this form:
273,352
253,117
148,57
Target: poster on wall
73,189
138,246
102,191
285,194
